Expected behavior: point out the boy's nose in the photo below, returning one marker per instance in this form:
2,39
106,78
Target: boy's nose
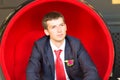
59,29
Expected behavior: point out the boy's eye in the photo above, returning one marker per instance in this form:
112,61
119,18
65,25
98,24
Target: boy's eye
62,25
53,27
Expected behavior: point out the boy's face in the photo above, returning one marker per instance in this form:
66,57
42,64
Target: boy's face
56,29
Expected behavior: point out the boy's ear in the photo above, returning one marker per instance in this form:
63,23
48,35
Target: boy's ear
46,32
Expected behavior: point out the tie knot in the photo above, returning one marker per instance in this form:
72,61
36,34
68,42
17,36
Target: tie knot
57,52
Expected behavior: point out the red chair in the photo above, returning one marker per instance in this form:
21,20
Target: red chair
24,27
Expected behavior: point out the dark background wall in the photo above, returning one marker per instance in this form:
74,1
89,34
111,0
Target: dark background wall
109,11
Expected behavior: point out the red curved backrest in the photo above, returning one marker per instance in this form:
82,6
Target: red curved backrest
25,27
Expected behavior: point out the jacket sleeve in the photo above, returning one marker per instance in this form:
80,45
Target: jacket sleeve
87,65
34,66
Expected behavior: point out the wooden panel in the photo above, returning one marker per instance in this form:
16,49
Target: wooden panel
1,2
105,7
11,3
3,14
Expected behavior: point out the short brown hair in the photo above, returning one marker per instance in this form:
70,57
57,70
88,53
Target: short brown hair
51,16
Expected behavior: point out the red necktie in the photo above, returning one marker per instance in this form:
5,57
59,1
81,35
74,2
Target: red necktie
60,73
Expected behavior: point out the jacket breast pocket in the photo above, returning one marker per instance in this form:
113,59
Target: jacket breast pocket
76,70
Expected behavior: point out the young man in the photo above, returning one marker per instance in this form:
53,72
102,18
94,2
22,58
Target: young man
58,56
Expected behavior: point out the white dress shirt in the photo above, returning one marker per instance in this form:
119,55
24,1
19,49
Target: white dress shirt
62,47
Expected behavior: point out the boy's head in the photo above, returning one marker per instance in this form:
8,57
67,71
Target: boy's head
51,16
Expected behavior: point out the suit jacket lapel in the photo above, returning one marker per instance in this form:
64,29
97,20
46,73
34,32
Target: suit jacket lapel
50,58
68,56
68,51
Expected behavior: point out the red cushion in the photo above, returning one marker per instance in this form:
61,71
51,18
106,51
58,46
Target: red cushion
22,53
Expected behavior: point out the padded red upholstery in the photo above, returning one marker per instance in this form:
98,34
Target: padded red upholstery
23,50
25,27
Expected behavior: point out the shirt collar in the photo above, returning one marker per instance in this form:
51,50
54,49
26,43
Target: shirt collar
62,47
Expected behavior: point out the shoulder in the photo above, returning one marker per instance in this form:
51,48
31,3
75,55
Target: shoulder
72,39
41,41
75,43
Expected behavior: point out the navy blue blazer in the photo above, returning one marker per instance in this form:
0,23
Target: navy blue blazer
41,64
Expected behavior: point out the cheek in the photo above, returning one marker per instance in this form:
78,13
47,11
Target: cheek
53,32
65,29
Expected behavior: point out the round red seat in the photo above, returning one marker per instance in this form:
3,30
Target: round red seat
25,27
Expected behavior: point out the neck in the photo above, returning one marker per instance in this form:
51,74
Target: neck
57,43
